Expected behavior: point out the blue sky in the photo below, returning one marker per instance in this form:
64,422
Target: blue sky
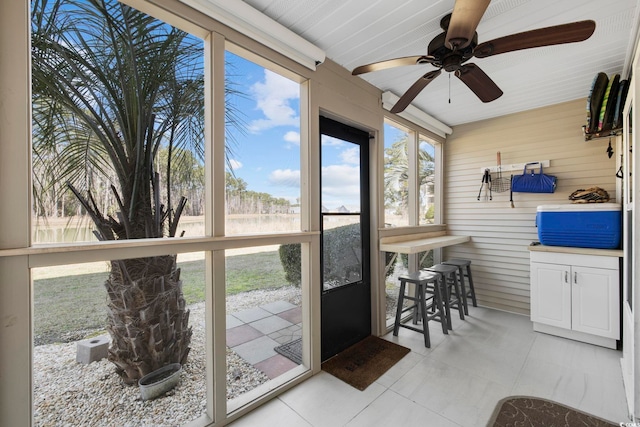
268,156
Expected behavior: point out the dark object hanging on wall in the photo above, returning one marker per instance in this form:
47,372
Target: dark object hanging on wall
486,185
623,90
620,172
605,121
511,192
532,182
500,184
609,149
594,101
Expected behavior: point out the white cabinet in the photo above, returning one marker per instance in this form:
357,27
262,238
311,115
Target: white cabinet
550,294
576,296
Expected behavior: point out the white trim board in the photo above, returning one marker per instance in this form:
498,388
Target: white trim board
515,166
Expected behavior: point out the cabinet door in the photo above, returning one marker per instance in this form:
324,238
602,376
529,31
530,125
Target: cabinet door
551,294
595,300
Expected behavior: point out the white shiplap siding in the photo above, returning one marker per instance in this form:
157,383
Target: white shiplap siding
500,234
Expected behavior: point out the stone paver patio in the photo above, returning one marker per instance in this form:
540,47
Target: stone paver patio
254,333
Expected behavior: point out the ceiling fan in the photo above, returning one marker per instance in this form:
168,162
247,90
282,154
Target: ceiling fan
459,43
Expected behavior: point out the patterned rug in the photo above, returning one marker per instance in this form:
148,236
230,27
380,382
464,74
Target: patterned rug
524,411
364,362
291,350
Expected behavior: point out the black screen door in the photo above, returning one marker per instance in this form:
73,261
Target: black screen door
346,285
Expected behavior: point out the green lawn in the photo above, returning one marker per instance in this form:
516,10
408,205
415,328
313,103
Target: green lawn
67,306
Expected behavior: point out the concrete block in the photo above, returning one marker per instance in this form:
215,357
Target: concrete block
92,349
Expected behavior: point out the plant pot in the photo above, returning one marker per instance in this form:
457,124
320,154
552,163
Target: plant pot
159,381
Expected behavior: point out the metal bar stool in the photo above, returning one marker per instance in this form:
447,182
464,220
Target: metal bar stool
432,311
464,270
453,297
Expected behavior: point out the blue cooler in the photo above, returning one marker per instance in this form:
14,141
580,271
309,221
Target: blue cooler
581,225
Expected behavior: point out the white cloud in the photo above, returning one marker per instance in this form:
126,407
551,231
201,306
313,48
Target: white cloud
235,165
292,137
329,141
351,155
285,178
274,97
340,186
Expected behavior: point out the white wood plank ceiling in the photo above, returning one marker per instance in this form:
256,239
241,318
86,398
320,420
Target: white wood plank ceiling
357,32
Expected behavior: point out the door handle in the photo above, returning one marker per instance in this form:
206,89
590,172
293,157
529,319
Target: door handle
575,277
566,277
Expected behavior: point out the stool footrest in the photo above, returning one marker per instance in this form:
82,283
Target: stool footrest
413,328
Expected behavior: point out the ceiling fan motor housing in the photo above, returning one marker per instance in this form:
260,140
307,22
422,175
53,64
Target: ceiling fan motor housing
450,60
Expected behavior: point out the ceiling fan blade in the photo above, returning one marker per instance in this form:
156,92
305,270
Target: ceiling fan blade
397,62
414,90
465,18
559,34
479,82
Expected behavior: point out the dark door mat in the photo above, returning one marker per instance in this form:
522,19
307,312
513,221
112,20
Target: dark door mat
364,362
524,411
291,350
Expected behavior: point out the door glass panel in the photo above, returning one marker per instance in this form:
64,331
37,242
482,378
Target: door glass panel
342,253
341,224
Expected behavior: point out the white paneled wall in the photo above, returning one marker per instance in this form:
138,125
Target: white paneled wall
500,234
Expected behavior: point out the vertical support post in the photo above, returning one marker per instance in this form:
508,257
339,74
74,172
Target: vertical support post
15,211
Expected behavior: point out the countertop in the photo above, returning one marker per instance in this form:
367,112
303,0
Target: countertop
414,246
579,251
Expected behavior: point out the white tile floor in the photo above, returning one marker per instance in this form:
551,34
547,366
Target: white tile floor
459,380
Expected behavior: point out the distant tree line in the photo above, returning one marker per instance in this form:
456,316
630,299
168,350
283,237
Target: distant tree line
186,178
185,175
242,201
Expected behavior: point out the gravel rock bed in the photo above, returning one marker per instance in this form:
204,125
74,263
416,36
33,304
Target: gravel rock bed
67,393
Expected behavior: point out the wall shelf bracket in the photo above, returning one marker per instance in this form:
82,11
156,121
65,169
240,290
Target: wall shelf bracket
601,134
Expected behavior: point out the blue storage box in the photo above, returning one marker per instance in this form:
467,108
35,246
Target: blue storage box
582,225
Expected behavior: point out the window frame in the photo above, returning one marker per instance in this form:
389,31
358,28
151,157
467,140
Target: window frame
416,135
414,226
18,255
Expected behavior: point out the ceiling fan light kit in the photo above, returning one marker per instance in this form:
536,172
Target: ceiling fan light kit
451,50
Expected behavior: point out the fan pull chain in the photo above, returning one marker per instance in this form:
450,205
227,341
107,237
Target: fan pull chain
449,88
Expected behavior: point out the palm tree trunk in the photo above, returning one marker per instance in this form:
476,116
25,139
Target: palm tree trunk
147,316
